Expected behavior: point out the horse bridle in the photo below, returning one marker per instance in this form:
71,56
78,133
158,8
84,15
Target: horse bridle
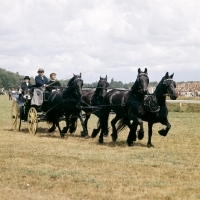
74,84
107,84
166,83
138,78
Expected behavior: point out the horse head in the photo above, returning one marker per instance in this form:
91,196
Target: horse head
76,84
169,86
142,82
102,86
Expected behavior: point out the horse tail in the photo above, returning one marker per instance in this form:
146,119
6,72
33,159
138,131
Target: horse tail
121,124
52,115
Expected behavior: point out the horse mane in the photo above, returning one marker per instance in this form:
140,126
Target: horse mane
72,80
158,87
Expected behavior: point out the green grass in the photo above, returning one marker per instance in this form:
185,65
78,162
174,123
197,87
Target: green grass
47,167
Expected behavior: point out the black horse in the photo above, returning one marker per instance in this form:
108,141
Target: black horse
90,99
66,103
149,111
115,100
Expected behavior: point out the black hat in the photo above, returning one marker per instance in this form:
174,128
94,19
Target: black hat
27,77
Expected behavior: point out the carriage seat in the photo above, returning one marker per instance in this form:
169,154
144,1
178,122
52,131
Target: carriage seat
39,96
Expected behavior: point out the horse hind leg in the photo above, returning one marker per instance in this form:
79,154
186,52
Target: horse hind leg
141,131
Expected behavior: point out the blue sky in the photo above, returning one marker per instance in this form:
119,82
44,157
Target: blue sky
102,37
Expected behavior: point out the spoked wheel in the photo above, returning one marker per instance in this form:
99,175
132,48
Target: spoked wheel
32,120
15,116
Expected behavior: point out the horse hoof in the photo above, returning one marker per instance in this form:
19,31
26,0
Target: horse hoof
93,136
140,135
101,141
94,133
83,134
105,135
162,132
149,145
86,137
130,144
113,138
51,130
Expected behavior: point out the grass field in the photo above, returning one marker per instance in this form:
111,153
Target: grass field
47,167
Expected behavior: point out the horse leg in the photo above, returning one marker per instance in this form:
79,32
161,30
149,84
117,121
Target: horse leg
84,133
73,124
58,125
65,129
96,131
52,128
140,123
164,132
114,130
86,122
132,134
104,129
149,144
141,131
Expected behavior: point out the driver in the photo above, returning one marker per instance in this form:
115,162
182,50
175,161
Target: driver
41,80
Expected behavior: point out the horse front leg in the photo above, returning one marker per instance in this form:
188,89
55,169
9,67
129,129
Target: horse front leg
114,130
140,123
65,129
149,144
141,131
132,134
164,132
86,122
84,133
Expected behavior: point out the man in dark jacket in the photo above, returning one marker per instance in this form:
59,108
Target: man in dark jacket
41,80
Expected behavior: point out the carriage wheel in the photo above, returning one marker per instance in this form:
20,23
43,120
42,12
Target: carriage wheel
32,120
15,116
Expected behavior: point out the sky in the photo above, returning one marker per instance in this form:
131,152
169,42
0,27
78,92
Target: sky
101,37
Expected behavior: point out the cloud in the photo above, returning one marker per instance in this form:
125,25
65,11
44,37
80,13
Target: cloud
103,37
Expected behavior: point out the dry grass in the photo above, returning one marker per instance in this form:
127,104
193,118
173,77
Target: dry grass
46,167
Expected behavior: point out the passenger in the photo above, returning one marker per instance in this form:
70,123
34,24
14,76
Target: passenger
53,83
26,84
41,80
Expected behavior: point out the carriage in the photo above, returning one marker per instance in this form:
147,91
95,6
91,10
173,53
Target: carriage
28,107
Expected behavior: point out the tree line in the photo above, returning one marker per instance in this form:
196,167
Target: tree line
9,80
